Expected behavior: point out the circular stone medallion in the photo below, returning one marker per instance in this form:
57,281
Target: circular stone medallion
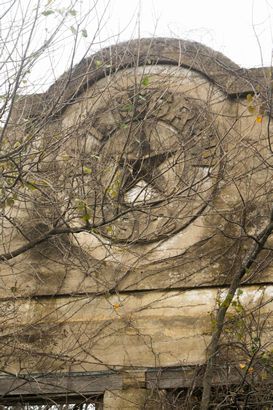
158,152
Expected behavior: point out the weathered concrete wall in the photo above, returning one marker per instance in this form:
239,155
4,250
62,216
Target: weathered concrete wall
147,329
140,292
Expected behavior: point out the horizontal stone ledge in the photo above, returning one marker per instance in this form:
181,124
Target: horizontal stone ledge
58,385
134,292
189,376
96,383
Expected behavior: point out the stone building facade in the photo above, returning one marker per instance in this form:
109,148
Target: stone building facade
150,188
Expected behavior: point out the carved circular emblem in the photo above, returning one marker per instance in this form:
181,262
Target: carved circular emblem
157,158
157,155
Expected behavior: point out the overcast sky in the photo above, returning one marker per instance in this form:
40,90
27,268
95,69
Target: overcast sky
234,27
240,29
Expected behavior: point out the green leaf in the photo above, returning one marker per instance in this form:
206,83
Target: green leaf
84,33
95,231
30,186
128,107
145,81
87,170
81,205
249,98
227,301
73,30
10,201
112,193
86,217
109,230
62,12
72,12
251,109
98,63
47,12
